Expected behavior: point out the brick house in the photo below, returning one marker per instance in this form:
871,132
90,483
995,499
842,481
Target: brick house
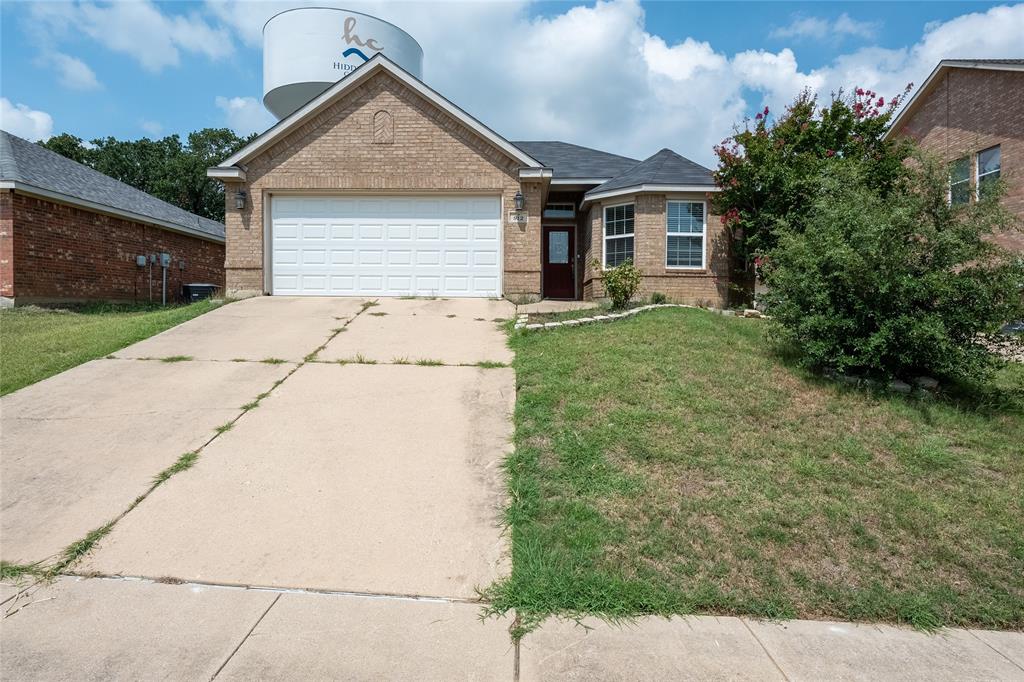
970,112
69,233
379,186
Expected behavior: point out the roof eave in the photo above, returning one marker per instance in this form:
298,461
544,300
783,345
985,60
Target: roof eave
226,173
649,188
109,210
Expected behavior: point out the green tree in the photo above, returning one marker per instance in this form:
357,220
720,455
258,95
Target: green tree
893,282
165,168
770,171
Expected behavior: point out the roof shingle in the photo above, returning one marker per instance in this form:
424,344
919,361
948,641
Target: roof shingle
664,168
27,163
573,161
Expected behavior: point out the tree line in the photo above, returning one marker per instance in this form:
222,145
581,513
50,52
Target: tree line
168,168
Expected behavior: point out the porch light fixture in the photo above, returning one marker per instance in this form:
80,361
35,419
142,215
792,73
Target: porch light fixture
240,199
519,201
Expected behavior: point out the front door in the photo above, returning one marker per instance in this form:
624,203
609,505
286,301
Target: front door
558,262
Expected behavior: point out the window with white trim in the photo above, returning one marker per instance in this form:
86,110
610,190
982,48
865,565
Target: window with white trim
618,234
685,229
988,169
960,181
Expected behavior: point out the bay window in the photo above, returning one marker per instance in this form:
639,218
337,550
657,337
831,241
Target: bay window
618,234
686,230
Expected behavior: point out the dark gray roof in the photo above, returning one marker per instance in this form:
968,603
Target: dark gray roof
27,163
664,168
573,161
1019,62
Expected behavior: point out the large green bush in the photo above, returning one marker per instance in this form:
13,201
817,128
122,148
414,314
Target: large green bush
898,283
621,283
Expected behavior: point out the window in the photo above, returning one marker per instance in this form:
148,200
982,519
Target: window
618,235
988,169
685,229
559,211
960,181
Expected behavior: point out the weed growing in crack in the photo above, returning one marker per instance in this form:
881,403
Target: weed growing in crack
184,462
176,358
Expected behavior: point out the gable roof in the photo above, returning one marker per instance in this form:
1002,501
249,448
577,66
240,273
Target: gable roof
573,161
377,63
664,171
941,68
28,167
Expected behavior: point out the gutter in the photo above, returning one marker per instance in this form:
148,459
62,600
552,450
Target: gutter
109,210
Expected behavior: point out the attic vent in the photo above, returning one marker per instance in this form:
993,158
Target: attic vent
383,128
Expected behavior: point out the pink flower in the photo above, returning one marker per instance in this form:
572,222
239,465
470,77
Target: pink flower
766,111
860,92
830,152
758,117
881,101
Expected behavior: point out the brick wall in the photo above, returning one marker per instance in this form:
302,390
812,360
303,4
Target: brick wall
969,110
6,243
708,286
65,253
428,152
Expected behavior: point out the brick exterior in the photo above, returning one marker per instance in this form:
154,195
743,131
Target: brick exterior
709,286
7,243
54,252
427,151
967,111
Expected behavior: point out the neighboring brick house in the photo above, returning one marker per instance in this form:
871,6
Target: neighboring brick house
970,112
70,233
379,186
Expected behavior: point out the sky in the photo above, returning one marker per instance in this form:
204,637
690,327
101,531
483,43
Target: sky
625,76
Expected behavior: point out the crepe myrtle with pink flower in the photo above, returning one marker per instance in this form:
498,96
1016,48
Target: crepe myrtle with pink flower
768,170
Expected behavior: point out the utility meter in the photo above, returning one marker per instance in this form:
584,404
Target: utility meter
165,260
140,261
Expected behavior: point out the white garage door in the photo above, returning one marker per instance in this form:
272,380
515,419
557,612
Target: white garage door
386,246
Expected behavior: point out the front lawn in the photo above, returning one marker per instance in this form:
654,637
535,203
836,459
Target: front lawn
672,463
36,343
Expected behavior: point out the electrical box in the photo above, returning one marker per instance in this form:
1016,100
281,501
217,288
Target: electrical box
140,261
152,258
181,263
165,260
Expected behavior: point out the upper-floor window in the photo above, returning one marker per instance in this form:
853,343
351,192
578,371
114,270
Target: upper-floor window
685,231
988,169
960,181
560,210
618,234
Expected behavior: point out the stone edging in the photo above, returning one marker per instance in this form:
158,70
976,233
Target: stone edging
523,319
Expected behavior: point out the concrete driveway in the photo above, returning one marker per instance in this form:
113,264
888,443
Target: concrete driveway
375,478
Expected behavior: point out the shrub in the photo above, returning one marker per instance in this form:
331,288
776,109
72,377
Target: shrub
657,298
898,285
621,283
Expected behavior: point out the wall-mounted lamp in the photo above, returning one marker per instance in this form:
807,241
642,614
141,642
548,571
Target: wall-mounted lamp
519,201
240,199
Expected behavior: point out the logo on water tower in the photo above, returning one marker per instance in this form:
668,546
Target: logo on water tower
356,44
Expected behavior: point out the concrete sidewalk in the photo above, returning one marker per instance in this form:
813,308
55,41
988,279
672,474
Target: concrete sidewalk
133,629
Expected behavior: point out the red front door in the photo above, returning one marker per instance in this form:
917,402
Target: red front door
558,266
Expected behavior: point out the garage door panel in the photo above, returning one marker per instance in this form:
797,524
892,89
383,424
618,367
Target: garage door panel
386,246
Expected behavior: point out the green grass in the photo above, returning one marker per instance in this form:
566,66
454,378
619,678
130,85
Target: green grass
672,463
37,343
184,462
176,358
429,362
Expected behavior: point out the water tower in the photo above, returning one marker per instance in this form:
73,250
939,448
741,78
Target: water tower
306,50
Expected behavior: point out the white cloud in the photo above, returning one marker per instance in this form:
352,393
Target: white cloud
817,28
845,25
72,72
595,75
152,128
244,115
23,121
138,29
